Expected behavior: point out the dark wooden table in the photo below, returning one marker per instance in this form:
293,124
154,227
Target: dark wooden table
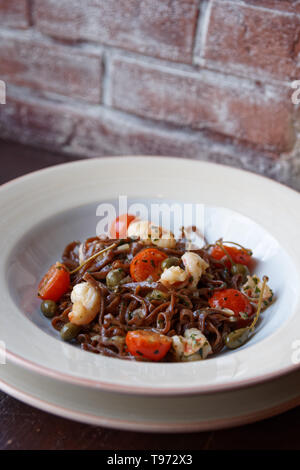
23,427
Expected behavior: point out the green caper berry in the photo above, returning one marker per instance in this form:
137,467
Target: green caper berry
169,262
237,338
114,277
156,294
240,269
69,331
48,308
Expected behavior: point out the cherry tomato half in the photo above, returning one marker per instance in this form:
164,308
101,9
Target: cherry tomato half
118,228
148,344
147,263
238,256
234,300
55,283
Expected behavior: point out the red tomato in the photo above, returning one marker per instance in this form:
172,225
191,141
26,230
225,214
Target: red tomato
237,255
120,225
235,301
55,283
147,263
148,344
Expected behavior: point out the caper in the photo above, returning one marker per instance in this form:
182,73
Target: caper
240,269
169,262
156,294
237,338
114,277
48,308
69,331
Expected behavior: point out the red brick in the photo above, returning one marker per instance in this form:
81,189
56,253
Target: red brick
153,27
28,61
35,122
244,39
93,131
206,100
14,13
292,6
115,133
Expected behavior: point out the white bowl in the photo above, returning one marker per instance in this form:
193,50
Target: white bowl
42,212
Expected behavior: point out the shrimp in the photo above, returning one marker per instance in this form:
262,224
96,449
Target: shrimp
86,304
150,233
194,266
193,346
173,275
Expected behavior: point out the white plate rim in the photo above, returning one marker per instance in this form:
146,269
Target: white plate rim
85,417
146,426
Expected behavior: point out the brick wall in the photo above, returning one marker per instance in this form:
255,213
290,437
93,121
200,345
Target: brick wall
207,79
